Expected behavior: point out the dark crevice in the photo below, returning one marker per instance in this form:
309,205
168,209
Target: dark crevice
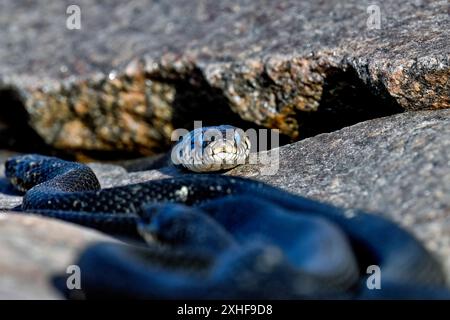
15,133
346,100
196,100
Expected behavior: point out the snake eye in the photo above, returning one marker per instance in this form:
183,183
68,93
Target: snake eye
213,138
237,138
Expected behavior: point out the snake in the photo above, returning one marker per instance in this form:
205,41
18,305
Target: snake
205,235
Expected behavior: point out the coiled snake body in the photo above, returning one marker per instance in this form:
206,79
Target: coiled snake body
214,236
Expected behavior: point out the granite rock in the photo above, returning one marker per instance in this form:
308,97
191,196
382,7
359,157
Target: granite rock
137,70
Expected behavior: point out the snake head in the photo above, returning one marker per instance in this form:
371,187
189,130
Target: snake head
212,149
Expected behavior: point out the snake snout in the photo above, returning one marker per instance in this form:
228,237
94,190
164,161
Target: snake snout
223,146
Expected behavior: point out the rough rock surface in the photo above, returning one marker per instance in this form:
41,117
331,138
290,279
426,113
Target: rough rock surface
34,249
136,70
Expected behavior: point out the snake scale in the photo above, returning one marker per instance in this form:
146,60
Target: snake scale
210,236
